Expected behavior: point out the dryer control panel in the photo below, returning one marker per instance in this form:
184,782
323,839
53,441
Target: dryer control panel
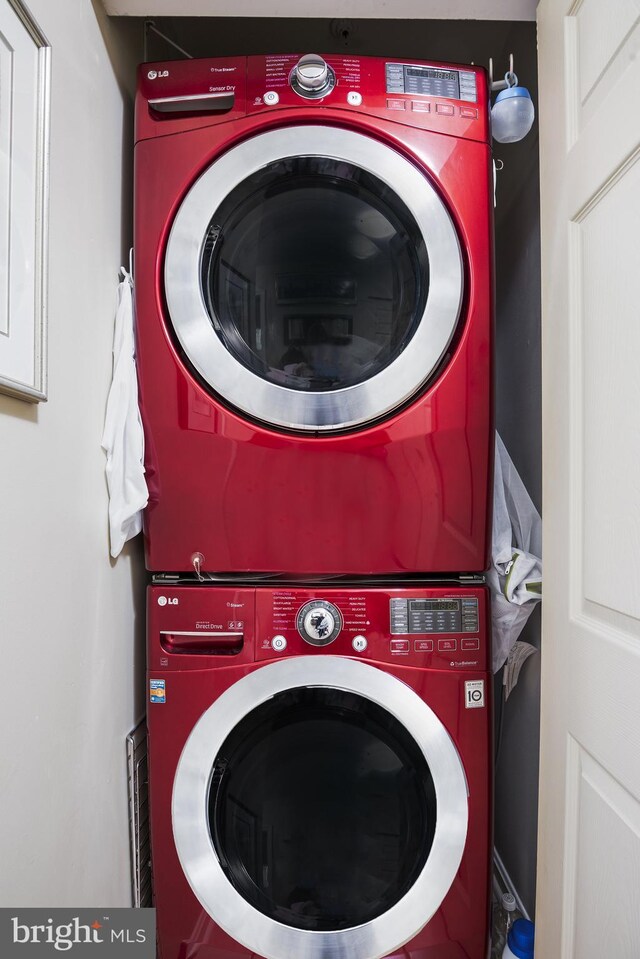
447,98
194,627
179,95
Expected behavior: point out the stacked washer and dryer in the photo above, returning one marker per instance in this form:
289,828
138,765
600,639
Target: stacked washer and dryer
314,317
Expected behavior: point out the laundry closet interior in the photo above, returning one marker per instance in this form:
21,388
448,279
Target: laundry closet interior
296,532
315,604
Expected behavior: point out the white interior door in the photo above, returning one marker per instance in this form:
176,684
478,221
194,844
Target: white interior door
589,845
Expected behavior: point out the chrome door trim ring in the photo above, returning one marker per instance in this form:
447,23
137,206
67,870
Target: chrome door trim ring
274,404
196,852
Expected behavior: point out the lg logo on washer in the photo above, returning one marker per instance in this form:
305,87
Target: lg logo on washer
168,601
154,74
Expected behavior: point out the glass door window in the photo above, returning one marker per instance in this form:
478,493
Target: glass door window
322,809
314,273
313,278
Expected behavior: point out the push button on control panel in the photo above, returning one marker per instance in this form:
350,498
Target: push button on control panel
423,645
468,90
469,644
271,98
396,104
278,643
359,643
445,109
399,645
469,615
447,645
420,106
354,99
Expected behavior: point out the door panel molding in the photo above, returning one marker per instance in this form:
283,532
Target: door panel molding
589,826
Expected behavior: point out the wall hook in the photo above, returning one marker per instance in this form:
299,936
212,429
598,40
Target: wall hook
510,79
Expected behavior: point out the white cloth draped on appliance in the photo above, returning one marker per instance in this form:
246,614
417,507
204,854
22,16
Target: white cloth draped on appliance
515,575
123,437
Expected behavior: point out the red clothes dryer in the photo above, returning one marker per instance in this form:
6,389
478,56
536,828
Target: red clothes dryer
320,771
313,295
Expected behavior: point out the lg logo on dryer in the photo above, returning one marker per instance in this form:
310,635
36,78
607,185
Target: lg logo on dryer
168,601
154,74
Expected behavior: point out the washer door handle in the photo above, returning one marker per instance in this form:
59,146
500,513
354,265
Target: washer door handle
198,103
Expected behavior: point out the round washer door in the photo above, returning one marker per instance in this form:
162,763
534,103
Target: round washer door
320,809
313,277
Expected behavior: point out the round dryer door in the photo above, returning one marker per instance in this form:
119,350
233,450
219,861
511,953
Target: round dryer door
314,279
320,810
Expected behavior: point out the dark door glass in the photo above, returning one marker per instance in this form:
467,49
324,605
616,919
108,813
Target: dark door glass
321,808
314,273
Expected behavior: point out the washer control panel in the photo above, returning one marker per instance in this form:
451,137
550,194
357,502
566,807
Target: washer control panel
204,626
430,626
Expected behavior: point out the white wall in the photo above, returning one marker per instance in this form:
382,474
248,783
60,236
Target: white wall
71,622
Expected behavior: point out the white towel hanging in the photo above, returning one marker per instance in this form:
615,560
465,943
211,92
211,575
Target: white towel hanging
123,437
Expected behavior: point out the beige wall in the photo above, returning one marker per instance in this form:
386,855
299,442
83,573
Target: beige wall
71,622
400,9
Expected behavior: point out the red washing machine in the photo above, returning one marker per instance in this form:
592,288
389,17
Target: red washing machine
313,259
320,770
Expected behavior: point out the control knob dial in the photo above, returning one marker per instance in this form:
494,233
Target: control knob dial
319,622
312,76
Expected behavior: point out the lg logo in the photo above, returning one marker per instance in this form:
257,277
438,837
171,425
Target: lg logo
154,74
168,601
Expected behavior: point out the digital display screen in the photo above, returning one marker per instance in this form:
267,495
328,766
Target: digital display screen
416,80
431,73
441,605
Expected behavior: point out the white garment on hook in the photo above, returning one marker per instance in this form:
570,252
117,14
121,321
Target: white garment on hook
123,437
515,575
